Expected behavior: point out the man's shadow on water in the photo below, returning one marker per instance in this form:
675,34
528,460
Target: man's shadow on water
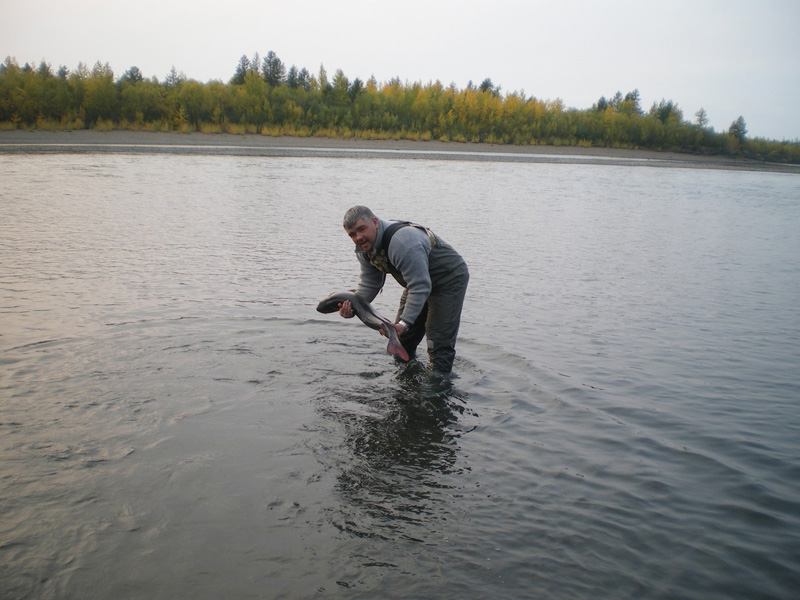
405,461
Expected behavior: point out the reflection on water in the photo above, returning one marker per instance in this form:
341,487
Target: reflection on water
398,450
177,421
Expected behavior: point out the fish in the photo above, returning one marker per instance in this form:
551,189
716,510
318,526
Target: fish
369,316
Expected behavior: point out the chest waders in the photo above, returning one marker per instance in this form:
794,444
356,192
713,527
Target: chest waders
441,316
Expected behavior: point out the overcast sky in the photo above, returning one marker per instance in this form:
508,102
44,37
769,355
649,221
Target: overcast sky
730,57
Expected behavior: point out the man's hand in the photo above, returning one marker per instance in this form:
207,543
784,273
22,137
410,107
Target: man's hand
400,328
346,310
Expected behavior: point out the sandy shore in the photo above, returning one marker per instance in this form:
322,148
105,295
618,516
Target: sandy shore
89,141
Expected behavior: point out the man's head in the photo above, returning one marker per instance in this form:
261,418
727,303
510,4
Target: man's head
361,225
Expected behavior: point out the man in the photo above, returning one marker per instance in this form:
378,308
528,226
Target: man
433,274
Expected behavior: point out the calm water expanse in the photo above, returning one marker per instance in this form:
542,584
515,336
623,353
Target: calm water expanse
176,420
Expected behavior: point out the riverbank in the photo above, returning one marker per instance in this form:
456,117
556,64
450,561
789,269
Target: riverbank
92,141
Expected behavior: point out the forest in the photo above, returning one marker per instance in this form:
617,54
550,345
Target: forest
264,97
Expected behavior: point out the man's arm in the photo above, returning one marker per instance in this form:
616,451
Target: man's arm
369,284
371,280
409,252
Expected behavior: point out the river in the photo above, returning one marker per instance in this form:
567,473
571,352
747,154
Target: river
177,421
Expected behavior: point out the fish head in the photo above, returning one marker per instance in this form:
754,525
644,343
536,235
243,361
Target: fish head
329,304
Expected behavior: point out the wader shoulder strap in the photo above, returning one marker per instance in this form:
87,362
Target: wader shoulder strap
380,259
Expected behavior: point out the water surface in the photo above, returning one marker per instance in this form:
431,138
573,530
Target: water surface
176,421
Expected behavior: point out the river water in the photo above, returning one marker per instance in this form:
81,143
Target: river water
176,420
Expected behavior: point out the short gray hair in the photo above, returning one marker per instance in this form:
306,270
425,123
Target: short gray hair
354,214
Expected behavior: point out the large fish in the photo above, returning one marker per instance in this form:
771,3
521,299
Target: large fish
369,316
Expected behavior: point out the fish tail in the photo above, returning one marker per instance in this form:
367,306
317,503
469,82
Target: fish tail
395,348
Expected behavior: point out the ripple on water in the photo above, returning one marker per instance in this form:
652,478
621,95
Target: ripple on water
298,453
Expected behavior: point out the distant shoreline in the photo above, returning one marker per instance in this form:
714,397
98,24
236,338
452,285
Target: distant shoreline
93,141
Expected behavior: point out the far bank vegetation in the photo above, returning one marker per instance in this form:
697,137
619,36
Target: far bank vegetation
264,97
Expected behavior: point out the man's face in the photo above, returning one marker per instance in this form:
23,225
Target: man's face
364,233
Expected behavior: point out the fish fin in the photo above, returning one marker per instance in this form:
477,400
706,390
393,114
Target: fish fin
395,348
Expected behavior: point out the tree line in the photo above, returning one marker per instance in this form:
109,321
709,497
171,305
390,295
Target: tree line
263,96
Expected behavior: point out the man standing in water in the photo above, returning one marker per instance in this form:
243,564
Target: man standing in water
433,274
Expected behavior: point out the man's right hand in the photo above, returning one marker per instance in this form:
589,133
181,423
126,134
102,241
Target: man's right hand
346,310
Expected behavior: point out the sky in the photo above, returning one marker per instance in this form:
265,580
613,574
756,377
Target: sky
730,57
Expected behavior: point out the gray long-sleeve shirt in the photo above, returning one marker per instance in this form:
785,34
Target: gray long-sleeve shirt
408,252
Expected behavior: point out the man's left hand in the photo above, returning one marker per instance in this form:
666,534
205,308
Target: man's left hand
398,327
